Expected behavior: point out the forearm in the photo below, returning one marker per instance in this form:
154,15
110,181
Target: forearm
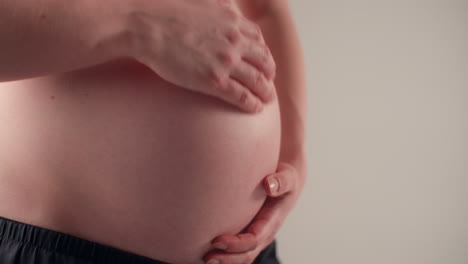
40,37
281,36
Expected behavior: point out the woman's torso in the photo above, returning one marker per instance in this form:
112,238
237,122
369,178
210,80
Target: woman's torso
116,155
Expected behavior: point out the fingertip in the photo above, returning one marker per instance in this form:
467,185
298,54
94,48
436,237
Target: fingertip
259,107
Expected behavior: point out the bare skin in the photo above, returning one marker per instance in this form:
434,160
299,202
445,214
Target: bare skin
216,50
114,154
280,35
96,82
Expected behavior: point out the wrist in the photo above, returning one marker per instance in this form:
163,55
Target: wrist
105,27
138,27
118,29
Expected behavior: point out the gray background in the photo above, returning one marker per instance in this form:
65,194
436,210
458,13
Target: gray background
387,134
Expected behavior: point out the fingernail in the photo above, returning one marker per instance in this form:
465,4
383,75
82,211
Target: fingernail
273,184
213,261
220,245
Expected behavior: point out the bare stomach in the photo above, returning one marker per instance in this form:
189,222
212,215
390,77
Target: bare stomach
116,155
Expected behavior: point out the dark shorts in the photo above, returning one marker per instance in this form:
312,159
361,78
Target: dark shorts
21,243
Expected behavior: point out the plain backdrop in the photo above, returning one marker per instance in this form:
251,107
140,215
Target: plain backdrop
387,134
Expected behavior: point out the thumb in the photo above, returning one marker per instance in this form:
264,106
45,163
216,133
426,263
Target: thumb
282,181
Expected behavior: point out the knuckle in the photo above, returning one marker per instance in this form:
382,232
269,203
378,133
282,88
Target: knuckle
258,80
216,78
273,65
226,58
256,30
233,35
231,15
243,97
251,31
265,53
226,88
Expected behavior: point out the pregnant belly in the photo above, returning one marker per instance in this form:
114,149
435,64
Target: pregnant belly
116,155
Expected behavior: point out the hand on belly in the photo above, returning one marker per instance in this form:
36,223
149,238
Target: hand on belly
205,47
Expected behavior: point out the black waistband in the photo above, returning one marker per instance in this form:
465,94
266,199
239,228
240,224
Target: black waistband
53,241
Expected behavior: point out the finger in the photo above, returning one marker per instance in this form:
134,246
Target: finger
237,94
268,221
259,55
258,227
251,30
253,79
281,182
230,258
269,215
236,244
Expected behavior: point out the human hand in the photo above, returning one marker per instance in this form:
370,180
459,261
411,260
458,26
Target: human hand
206,46
245,247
